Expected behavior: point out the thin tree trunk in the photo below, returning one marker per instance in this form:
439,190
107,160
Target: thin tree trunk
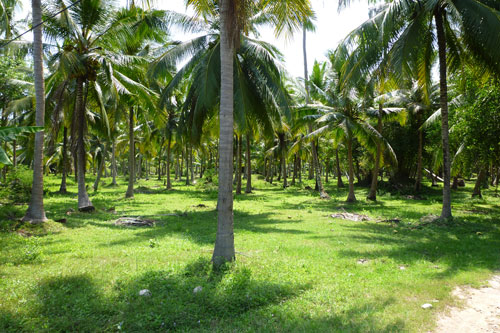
101,168
373,189
169,183
294,170
113,162
248,188
131,155
351,197
36,212
187,165
322,192
62,188
300,170
238,165
224,242
418,180
446,211
191,163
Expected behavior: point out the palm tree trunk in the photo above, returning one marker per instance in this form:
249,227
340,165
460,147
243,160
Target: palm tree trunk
84,203
238,165
191,163
373,189
351,197
131,155
101,168
62,188
479,182
322,192
248,189
446,211
418,180
299,167
224,242
294,170
187,165
169,183
36,212
113,162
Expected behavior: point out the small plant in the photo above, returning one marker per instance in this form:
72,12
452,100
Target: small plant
17,185
153,243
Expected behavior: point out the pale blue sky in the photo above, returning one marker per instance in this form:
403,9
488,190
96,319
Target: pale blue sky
331,27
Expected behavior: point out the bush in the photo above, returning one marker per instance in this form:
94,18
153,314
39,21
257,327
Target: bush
17,185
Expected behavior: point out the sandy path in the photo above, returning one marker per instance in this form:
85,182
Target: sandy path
480,313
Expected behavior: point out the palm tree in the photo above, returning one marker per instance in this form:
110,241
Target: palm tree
234,19
36,212
406,36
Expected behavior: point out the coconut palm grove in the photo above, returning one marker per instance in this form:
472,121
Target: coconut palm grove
152,183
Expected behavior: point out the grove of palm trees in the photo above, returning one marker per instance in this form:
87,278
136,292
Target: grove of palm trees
166,171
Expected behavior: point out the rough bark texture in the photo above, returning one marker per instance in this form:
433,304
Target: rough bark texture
131,156
36,212
224,241
373,188
248,189
446,211
62,188
84,203
351,197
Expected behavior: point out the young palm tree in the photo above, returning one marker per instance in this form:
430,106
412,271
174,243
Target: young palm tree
36,212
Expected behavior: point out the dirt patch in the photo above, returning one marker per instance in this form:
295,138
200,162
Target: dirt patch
480,313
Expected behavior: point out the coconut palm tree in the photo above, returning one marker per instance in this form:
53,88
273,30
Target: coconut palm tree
406,32
234,18
36,212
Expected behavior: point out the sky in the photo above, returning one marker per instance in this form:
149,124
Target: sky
331,28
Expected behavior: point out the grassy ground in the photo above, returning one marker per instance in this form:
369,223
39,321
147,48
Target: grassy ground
297,268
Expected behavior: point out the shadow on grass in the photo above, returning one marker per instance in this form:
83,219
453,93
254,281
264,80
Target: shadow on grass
462,246
77,303
198,226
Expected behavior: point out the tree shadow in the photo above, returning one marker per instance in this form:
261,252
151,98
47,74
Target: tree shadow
77,304
462,246
197,226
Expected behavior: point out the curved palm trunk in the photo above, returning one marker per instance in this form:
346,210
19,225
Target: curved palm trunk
84,203
418,180
113,163
36,212
62,188
373,189
101,168
351,197
479,182
446,211
131,156
169,183
224,242
248,189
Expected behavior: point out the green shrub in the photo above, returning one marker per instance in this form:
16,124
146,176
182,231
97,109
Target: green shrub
17,185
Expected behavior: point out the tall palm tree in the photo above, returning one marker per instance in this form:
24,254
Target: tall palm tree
406,31
234,19
36,212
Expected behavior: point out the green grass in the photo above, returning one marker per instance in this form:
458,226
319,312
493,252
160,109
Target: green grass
297,268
